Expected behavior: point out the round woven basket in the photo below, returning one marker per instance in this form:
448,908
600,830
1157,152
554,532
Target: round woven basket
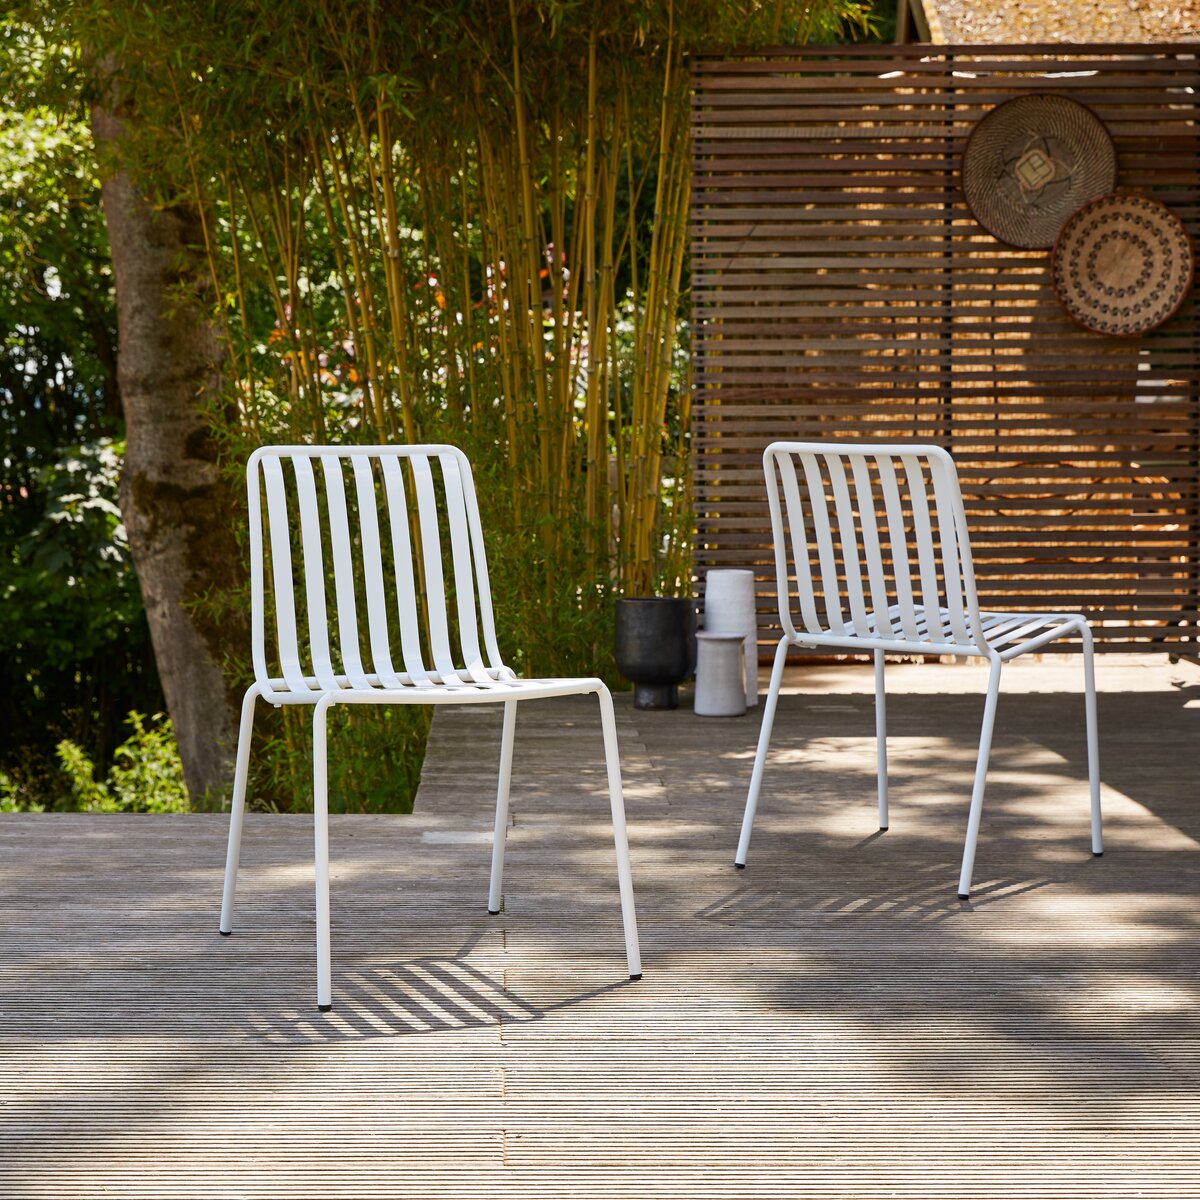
1123,264
1033,161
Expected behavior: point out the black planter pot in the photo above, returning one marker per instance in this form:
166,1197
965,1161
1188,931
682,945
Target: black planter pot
656,647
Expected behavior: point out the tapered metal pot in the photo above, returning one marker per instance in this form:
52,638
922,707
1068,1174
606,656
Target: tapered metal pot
656,647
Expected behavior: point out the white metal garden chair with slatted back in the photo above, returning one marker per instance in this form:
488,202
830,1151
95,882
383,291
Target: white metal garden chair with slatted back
876,540
377,546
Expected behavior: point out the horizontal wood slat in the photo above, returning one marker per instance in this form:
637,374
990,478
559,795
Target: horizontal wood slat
841,289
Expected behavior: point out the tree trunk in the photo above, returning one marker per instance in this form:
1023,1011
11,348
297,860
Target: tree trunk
175,505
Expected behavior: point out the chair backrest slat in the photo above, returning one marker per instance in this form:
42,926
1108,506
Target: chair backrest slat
283,590
923,532
343,573
824,535
314,572
372,560
948,535
460,550
435,585
898,545
890,543
483,586
344,537
851,556
864,495
406,582
800,549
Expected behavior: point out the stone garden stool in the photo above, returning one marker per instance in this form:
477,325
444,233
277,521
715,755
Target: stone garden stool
720,675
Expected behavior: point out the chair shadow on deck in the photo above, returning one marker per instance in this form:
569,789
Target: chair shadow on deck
922,898
414,996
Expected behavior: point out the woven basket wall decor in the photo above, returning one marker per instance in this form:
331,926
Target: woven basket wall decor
1031,162
1123,264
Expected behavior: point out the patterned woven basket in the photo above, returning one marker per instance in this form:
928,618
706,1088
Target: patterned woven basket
1123,264
1033,161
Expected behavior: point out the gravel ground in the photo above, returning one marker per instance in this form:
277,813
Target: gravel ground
966,22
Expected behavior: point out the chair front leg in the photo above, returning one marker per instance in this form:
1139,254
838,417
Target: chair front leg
612,760
981,766
237,808
502,789
881,766
1093,738
321,852
760,758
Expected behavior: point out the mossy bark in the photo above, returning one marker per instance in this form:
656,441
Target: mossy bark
176,506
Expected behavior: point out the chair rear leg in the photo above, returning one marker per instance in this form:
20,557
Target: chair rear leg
321,854
881,740
1093,739
237,808
502,788
760,758
612,760
981,766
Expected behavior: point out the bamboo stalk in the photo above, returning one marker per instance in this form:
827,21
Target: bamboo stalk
395,280
341,178
339,256
248,382
596,458
529,260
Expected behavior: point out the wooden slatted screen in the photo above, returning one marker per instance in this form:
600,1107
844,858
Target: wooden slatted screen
841,289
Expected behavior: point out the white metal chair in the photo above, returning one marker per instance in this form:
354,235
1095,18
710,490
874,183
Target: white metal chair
378,549
876,540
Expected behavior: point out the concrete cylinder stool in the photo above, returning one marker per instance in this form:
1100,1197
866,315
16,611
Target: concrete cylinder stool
729,608
720,675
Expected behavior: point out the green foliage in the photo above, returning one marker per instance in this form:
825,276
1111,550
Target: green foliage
11,799
73,635
146,774
72,626
375,757
425,221
69,592
58,364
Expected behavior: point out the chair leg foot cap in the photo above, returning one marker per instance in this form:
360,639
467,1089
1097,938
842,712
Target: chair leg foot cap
325,1007
883,829
493,912
1097,853
225,932
740,866
964,895
634,978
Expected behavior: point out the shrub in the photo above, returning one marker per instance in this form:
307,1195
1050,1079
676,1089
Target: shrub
146,774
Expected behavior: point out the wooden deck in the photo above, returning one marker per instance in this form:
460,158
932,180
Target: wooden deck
832,1022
